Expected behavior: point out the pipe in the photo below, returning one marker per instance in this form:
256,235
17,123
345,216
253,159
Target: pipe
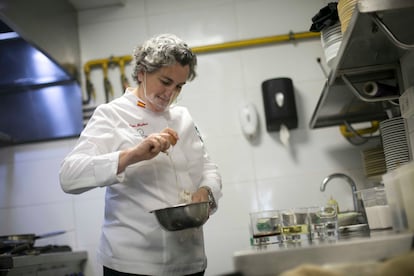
104,64
255,42
105,61
124,79
122,60
214,47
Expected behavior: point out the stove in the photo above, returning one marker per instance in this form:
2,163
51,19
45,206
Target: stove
49,260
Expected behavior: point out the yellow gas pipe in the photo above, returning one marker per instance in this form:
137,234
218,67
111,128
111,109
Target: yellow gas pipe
122,60
104,64
255,42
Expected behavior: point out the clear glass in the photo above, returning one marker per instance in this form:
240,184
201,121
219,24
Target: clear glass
295,225
323,222
265,227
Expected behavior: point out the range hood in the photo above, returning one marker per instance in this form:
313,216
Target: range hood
40,97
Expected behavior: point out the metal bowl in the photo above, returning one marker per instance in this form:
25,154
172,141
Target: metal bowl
183,216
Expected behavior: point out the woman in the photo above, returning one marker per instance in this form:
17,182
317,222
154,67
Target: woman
148,155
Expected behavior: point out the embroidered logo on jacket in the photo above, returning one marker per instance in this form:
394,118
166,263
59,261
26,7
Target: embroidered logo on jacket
139,128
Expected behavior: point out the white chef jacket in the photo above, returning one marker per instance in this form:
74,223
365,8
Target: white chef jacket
132,240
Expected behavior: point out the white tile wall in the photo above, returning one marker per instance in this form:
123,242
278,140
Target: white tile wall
258,174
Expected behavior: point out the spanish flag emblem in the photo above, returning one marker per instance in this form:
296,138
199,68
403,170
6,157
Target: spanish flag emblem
141,104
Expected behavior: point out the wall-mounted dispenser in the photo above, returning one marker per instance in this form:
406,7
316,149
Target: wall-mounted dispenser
279,104
248,120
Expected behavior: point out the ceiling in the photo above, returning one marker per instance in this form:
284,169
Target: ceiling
95,4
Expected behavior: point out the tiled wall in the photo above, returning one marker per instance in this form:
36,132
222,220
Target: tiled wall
258,174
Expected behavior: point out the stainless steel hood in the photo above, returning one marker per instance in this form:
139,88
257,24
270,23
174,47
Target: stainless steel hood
40,97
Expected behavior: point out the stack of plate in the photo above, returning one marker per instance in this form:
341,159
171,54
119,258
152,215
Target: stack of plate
394,141
331,38
345,9
374,162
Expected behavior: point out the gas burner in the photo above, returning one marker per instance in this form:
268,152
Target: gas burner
36,250
43,261
25,249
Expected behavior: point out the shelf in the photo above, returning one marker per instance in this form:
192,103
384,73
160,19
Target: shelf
379,34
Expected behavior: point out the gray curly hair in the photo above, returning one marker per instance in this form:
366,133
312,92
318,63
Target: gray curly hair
163,50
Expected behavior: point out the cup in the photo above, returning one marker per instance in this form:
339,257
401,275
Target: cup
265,227
295,225
377,209
323,223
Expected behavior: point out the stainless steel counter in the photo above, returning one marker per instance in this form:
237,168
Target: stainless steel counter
56,264
275,258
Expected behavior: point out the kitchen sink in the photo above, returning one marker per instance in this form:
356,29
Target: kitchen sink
276,258
352,224
350,218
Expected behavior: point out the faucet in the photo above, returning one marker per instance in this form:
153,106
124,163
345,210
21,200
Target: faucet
357,206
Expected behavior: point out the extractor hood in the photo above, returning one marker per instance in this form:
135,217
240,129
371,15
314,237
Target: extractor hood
40,99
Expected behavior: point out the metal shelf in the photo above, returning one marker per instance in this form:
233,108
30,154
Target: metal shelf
379,34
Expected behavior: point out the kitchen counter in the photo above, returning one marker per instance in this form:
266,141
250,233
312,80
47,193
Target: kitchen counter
273,259
59,263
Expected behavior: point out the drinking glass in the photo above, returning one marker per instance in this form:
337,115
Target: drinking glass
295,225
323,222
265,226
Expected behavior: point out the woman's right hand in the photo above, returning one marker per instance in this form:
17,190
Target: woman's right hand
158,142
150,147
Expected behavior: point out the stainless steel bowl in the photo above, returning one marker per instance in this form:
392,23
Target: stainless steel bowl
183,216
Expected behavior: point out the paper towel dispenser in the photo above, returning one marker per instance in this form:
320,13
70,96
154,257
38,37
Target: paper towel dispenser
279,104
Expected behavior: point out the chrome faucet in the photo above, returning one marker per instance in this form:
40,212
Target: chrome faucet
357,206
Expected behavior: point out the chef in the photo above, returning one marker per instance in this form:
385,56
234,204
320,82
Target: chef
146,151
